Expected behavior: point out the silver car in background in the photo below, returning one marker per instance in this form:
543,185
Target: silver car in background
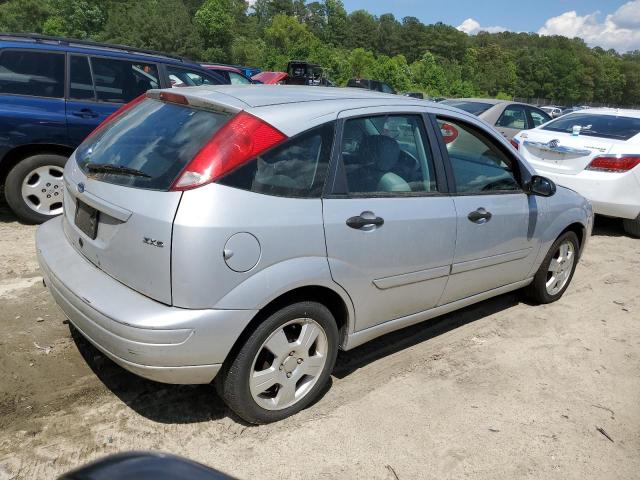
246,233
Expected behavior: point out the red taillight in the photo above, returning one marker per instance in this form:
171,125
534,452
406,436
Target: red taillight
449,132
515,144
614,163
240,140
116,114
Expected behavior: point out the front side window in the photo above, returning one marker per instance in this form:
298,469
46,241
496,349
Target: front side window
479,165
513,117
296,168
538,116
34,73
474,108
237,79
120,81
387,154
181,77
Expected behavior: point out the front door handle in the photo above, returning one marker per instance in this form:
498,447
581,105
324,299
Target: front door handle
85,113
361,221
479,216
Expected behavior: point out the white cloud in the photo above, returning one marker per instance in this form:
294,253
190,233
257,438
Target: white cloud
619,30
472,26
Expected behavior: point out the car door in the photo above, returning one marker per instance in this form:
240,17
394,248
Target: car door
99,86
390,229
495,245
512,120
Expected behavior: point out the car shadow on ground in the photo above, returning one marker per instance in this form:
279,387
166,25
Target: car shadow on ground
608,227
350,361
158,402
181,404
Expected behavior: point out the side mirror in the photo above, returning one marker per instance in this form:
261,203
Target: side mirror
541,186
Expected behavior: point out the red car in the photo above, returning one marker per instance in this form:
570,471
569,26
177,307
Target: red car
270,78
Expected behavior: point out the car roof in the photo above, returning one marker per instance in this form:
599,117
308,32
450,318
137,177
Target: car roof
42,42
228,68
265,95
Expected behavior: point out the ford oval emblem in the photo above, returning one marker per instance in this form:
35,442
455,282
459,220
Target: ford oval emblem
81,187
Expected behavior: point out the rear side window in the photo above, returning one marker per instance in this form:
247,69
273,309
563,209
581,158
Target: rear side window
121,81
180,77
38,74
80,84
296,168
604,126
513,117
237,79
479,165
153,141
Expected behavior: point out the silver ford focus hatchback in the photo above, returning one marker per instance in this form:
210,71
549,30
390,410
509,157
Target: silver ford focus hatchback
246,233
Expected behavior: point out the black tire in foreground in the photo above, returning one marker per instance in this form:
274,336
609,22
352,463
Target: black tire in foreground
556,271
283,366
41,200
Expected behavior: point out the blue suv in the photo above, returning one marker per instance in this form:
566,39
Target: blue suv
53,93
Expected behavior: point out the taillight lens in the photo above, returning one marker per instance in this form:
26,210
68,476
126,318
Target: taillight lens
116,114
515,143
614,163
237,142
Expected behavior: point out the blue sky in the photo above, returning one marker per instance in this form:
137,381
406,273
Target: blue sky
606,23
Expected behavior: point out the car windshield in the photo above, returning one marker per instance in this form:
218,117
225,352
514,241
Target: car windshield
604,126
475,108
149,145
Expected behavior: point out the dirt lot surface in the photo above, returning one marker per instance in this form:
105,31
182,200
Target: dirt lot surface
500,390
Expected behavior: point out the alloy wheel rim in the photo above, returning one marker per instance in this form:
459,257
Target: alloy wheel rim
560,267
288,364
42,190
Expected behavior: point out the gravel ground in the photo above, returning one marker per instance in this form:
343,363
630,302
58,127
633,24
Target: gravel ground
501,390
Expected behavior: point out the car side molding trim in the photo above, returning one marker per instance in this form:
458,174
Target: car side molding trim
358,338
413,277
489,261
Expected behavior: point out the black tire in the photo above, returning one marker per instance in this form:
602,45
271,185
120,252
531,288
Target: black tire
13,185
632,226
233,380
537,290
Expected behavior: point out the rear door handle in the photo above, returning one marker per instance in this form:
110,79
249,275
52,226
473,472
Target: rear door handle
85,113
359,221
479,216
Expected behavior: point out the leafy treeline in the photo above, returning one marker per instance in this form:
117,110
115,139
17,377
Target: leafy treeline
436,59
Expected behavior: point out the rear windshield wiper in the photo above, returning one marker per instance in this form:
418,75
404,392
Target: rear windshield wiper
116,169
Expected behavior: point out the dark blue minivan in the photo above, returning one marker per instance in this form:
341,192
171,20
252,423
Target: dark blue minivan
53,93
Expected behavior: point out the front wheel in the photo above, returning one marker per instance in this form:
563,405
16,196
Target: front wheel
283,366
34,187
556,271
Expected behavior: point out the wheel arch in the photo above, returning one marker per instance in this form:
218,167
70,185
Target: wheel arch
316,293
17,154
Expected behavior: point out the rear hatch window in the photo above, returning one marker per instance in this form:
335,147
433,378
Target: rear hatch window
149,145
603,126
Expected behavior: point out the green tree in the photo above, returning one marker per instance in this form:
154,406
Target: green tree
74,19
362,29
24,15
215,21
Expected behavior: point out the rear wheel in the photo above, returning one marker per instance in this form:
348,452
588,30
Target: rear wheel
632,226
34,187
556,271
283,366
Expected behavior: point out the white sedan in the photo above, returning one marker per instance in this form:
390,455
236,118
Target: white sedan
595,152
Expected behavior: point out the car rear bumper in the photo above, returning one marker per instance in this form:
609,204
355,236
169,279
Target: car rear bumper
611,194
153,340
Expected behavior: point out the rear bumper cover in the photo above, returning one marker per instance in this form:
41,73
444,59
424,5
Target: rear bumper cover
611,194
153,340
